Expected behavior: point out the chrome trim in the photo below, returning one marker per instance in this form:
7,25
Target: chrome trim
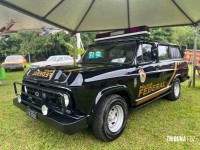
153,93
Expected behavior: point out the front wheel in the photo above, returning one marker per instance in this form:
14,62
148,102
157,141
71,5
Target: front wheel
175,90
110,118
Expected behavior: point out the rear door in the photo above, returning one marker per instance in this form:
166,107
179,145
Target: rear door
167,65
60,61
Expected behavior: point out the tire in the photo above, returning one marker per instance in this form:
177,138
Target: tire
110,118
175,90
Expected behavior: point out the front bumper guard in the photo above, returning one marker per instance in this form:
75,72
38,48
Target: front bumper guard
65,124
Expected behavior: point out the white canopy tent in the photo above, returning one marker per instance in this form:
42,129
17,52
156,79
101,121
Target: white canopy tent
20,21
103,15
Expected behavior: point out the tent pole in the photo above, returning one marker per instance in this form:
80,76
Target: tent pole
194,54
29,57
78,43
74,48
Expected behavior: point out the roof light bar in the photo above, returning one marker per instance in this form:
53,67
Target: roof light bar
141,30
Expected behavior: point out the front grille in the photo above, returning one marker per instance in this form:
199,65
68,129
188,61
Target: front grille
38,97
12,65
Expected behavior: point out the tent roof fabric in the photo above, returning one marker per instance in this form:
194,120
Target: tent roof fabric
21,22
103,15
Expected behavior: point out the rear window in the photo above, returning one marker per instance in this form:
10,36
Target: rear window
13,58
174,52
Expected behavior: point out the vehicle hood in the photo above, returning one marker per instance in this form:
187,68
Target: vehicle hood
76,76
41,63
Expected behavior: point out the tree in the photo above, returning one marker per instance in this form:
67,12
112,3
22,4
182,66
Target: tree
161,34
88,38
10,45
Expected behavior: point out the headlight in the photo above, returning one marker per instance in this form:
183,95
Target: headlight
25,89
44,110
66,99
19,98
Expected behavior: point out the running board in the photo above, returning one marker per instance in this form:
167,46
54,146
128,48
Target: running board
150,101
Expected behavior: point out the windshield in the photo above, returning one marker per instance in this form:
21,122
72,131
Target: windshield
120,53
13,58
52,59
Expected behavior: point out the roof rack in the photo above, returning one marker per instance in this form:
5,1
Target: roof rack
143,38
135,33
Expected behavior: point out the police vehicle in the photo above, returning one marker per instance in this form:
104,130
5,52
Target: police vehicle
121,71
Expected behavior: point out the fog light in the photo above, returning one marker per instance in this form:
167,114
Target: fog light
19,98
66,98
25,89
44,110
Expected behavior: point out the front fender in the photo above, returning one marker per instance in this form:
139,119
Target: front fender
110,90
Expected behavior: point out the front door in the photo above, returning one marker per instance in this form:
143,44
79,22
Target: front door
148,78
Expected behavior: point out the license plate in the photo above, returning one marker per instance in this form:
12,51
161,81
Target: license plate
31,113
43,74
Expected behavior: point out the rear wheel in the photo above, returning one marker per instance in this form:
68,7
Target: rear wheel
175,90
110,118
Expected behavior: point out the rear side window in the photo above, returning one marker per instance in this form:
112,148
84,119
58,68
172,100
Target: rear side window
174,52
67,58
60,59
163,52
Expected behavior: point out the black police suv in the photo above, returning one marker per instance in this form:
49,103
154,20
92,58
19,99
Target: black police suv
121,71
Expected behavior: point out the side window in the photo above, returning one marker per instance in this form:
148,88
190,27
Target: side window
60,59
67,58
163,52
144,53
174,52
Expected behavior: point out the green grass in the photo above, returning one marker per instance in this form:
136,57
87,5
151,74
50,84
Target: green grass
147,127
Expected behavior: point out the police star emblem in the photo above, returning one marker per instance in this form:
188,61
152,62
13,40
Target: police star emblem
142,75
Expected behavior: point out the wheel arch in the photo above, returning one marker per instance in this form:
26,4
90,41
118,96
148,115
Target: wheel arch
179,77
121,90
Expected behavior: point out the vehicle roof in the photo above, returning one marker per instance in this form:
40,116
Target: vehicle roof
129,40
14,55
60,55
166,43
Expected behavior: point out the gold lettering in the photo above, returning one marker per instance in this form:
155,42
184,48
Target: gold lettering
145,91
148,88
140,91
154,88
